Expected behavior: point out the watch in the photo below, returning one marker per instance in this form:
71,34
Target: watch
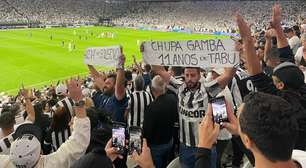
80,103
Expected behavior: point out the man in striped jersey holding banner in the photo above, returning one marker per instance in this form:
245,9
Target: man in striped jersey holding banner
193,95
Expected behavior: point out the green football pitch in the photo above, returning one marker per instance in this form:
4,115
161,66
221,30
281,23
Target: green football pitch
37,57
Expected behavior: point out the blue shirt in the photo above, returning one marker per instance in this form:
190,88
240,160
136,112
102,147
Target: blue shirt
147,79
115,108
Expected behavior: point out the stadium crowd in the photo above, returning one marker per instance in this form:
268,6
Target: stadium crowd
197,16
55,12
208,16
72,124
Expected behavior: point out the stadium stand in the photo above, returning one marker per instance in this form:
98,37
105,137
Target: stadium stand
200,16
81,122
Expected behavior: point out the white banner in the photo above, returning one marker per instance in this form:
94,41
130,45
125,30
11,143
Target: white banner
102,56
191,53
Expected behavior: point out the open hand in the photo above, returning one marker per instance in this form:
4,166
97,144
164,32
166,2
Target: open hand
245,31
276,16
25,93
74,89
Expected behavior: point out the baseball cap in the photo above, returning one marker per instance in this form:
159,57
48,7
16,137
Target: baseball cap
28,128
290,75
25,150
61,89
219,71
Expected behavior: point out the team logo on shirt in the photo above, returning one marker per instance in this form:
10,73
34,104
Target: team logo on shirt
192,113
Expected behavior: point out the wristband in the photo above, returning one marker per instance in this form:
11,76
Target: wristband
120,66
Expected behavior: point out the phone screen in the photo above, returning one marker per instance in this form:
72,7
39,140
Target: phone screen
135,141
118,137
219,110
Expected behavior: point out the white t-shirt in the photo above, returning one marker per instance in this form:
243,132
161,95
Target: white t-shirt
300,157
294,43
299,55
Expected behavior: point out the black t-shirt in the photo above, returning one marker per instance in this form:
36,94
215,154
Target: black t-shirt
303,62
95,159
159,119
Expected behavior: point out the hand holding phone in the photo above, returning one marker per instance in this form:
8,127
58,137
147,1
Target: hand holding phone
118,137
135,139
111,152
219,110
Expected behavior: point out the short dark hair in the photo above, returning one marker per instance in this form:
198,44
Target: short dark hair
273,54
113,76
128,75
196,68
288,30
296,28
147,67
101,127
178,71
7,120
269,122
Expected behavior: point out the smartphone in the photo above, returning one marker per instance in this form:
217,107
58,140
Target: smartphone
118,137
135,139
219,109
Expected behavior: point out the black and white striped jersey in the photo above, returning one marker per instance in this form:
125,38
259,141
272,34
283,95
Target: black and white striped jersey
129,89
5,144
138,102
192,106
149,90
67,103
240,86
59,137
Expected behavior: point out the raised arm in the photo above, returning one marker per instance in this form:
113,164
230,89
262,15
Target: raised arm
140,71
276,24
29,107
286,53
120,80
226,77
268,36
262,82
98,78
94,73
161,71
158,70
252,61
72,149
